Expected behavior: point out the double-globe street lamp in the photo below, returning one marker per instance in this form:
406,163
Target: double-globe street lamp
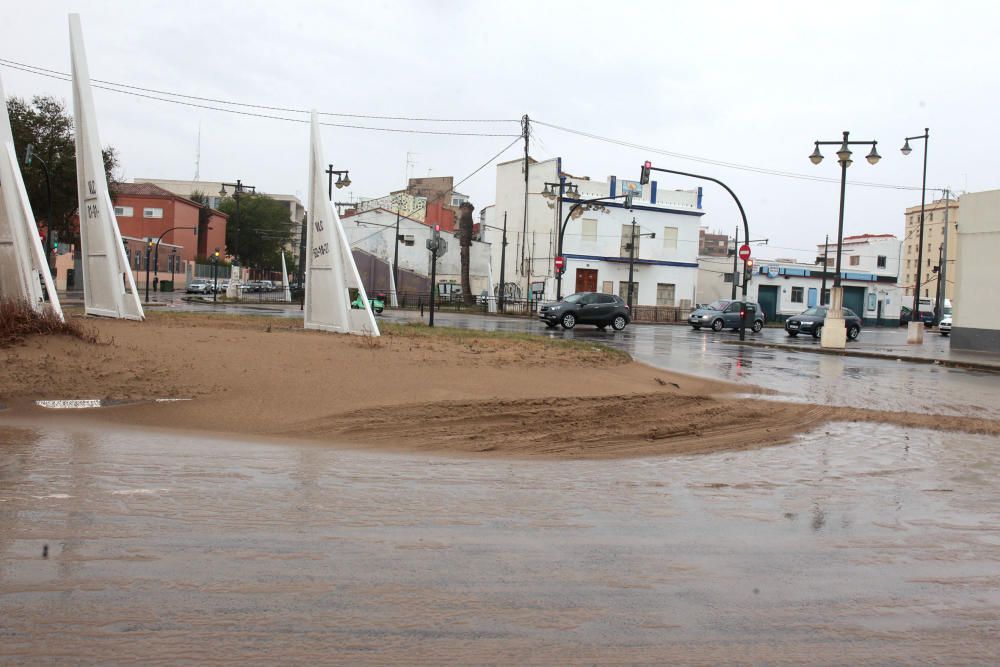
837,294
906,150
238,190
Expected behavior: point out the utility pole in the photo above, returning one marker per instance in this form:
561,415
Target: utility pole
631,263
434,266
943,267
736,246
395,256
525,132
822,289
503,262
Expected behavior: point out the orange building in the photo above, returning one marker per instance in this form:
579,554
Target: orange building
145,211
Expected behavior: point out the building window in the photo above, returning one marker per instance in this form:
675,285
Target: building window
123,212
855,260
623,290
670,241
665,293
797,294
152,212
626,238
727,277
880,263
825,298
589,231
931,218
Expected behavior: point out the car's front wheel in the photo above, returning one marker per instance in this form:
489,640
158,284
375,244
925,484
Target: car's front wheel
757,326
568,321
853,332
619,322
718,324
818,331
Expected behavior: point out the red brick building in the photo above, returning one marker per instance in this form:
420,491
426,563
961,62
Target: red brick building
145,210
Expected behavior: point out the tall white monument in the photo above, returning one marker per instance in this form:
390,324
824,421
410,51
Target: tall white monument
330,267
105,267
23,267
284,280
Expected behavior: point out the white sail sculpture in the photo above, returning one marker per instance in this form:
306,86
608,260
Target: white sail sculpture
284,280
105,266
330,267
23,266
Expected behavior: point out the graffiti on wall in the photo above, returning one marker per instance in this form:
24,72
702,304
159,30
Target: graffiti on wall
412,207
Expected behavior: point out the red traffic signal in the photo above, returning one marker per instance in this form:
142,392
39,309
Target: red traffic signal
560,263
644,177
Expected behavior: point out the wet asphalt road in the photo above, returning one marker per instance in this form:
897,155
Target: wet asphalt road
167,549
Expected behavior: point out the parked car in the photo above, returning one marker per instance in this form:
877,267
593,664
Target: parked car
944,326
594,308
727,314
199,287
377,302
811,322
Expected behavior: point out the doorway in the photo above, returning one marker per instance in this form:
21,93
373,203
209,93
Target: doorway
767,297
586,280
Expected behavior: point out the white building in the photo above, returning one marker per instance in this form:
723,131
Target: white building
373,231
869,275
976,324
595,242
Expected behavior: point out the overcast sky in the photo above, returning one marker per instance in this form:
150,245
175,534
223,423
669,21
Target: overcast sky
753,83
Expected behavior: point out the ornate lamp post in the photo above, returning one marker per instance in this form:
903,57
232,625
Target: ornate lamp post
915,330
834,330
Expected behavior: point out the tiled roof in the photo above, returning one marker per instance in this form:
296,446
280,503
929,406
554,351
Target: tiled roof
142,190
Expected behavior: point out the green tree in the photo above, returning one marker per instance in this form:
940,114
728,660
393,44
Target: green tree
46,125
264,230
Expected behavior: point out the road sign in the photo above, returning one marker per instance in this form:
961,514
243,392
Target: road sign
744,252
560,265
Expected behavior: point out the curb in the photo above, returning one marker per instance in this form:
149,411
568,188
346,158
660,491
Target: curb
949,363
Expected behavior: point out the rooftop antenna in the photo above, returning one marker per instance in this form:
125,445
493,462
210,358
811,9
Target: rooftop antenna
410,163
197,156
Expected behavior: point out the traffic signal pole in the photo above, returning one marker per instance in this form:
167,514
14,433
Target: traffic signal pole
434,266
648,167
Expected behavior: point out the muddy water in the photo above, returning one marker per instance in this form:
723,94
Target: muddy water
848,547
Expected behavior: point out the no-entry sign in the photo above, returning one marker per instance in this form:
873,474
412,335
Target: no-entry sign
744,252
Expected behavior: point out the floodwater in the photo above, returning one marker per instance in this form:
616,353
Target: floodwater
877,545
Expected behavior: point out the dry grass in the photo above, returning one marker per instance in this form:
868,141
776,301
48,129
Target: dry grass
18,320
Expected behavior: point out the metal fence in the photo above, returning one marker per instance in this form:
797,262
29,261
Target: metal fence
483,305
659,313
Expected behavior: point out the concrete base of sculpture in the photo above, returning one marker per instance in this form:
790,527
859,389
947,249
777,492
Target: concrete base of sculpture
915,333
834,334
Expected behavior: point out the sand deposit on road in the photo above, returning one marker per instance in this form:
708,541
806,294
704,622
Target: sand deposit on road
453,392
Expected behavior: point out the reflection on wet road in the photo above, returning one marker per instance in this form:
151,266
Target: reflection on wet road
846,547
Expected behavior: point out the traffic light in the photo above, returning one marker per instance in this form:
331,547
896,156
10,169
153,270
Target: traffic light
215,255
748,270
55,243
628,199
644,177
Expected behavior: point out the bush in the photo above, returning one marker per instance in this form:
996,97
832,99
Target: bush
18,320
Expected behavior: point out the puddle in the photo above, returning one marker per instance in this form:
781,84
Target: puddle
90,403
858,543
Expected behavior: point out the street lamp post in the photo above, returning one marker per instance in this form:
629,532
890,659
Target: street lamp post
746,227
173,267
562,228
631,260
149,250
238,189
503,259
30,155
835,335
215,275
343,179
913,334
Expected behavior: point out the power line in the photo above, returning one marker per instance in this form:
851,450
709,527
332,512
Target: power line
59,76
722,163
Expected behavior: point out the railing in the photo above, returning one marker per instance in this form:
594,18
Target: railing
659,313
450,303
